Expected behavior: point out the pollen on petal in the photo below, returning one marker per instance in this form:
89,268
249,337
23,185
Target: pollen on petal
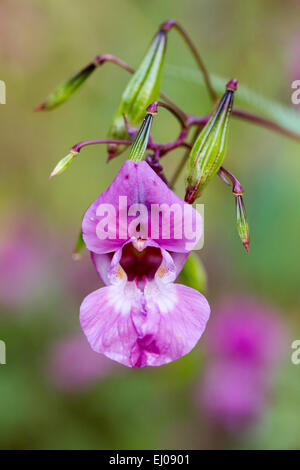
120,273
161,272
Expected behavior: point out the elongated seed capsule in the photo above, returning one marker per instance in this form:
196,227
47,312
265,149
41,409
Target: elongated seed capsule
67,88
209,149
242,221
140,143
241,216
63,163
142,89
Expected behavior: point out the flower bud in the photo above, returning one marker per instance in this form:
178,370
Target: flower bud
66,89
142,89
63,163
209,149
140,143
241,216
242,221
193,273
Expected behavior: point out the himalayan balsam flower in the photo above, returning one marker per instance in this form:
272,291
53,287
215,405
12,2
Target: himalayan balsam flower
141,318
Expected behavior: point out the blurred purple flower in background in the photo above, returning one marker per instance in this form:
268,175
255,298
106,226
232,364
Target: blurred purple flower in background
74,365
80,275
25,259
245,341
245,330
232,395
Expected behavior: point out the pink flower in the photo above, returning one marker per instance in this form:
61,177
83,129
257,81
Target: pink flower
246,330
245,341
24,262
232,395
73,364
141,318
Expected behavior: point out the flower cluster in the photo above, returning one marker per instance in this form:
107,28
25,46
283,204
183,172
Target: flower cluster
142,317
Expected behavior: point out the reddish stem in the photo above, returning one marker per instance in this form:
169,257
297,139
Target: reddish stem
271,125
167,26
77,147
237,188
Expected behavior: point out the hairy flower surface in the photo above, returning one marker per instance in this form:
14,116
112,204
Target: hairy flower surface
141,318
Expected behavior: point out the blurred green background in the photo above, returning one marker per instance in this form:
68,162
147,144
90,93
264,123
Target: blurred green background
41,44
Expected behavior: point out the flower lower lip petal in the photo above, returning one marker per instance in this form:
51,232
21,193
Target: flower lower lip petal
144,329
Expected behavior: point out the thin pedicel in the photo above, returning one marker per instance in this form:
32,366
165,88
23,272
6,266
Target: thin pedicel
149,72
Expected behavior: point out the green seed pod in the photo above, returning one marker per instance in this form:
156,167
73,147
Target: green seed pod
209,149
63,163
242,221
142,89
67,89
140,143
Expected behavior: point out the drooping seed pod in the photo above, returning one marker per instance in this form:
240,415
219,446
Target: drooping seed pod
241,216
142,89
63,163
209,149
242,221
67,88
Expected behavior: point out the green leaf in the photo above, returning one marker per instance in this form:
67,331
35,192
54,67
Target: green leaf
193,273
253,101
79,247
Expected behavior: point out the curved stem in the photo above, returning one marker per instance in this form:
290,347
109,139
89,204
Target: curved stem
183,160
77,147
237,188
250,117
173,107
174,24
101,59
241,215
178,114
260,121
